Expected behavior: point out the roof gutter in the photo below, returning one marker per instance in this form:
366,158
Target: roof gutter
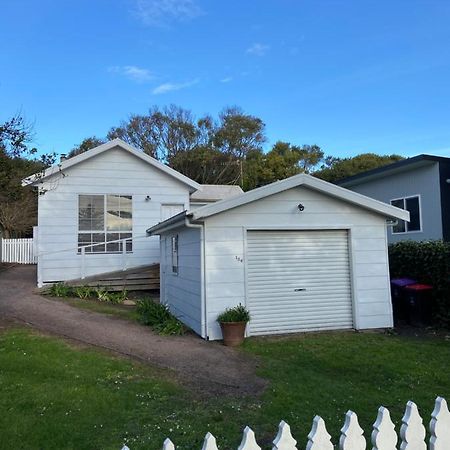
169,224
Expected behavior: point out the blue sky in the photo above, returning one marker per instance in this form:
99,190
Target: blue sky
351,76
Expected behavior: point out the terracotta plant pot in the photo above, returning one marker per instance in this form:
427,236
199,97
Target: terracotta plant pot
233,333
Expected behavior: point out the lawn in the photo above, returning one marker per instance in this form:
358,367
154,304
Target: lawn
124,312
56,396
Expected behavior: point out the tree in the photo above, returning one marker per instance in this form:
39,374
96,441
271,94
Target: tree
238,133
162,133
282,161
18,205
337,168
85,145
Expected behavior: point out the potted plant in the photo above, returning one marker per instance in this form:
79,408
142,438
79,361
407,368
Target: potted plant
233,322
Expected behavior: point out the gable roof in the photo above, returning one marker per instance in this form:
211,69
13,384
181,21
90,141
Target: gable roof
215,192
34,179
391,169
279,186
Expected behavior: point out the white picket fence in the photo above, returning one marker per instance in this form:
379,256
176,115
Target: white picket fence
384,436
18,251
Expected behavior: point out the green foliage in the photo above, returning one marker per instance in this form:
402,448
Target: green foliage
159,317
170,327
18,205
282,161
84,292
85,145
61,290
428,262
110,297
336,168
237,314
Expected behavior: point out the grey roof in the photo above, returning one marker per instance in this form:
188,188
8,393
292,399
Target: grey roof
214,192
390,169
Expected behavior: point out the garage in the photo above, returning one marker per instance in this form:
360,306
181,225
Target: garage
298,281
301,254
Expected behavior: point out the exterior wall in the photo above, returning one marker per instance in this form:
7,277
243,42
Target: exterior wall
113,172
225,250
182,290
423,181
444,171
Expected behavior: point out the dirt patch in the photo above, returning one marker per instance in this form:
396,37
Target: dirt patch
208,367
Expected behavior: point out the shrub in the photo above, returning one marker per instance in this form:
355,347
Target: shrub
84,292
427,262
61,290
158,316
110,297
237,314
171,327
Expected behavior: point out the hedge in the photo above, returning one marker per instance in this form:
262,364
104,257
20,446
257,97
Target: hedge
427,262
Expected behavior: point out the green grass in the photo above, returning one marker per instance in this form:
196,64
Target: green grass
55,396
124,312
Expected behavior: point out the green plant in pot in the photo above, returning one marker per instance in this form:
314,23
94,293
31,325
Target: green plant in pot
233,322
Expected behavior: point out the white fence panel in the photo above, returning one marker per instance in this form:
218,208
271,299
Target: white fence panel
18,251
384,436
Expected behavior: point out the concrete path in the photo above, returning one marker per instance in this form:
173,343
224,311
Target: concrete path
208,367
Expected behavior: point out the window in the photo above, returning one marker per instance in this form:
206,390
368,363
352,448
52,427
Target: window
411,204
102,219
175,254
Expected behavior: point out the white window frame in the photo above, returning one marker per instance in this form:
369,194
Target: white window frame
105,231
174,246
418,196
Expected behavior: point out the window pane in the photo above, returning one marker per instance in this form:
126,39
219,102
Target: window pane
175,254
412,205
400,227
85,201
128,243
98,202
84,224
84,239
398,203
97,225
114,246
118,216
98,238
126,204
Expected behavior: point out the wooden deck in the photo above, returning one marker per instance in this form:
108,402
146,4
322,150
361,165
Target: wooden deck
142,278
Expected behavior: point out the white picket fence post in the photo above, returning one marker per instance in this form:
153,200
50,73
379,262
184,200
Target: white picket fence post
384,436
18,251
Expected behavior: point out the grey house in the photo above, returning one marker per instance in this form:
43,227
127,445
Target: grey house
421,185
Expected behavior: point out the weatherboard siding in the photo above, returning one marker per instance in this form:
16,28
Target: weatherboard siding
225,249
423,181
182,291
113,172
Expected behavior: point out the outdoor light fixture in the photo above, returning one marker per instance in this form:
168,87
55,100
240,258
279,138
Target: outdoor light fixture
148,198
300,207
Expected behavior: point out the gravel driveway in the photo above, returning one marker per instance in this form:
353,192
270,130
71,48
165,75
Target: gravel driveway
208,367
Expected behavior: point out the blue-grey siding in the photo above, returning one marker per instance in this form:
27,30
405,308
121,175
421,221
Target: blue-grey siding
423,181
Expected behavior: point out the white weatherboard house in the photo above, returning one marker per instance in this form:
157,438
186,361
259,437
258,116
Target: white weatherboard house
89,205
301,254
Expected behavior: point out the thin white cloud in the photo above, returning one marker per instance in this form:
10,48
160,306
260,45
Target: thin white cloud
164,12
133,73
170,87
258,49
226,79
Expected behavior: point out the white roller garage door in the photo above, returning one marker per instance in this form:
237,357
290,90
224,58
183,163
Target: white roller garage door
298,280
